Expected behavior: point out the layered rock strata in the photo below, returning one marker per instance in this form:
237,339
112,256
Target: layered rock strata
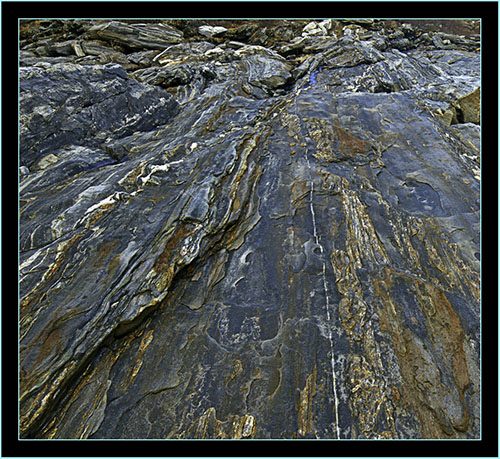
241,230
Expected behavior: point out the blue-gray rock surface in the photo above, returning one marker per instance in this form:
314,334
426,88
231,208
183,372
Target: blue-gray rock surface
249,231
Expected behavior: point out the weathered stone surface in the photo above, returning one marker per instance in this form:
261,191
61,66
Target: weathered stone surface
136,36
69,104
468,108
210,31
274,239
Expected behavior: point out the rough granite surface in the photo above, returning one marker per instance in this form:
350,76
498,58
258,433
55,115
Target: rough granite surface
249,230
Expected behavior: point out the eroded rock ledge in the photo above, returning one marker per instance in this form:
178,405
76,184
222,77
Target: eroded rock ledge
249,229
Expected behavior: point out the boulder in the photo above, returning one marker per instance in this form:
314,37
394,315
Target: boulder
468,107
211,31
136,36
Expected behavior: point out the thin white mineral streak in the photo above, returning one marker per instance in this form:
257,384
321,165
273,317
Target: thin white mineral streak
325,288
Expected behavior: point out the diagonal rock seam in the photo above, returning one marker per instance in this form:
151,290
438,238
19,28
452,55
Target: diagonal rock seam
67,378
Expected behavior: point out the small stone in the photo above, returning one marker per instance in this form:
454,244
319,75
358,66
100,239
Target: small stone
211,31
470,107
78,49
327,24
235,44
46,161
248,427
448,117
314,29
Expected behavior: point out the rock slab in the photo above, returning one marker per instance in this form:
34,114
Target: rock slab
274,239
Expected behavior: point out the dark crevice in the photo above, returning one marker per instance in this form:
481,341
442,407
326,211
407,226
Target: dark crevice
460,116
383,88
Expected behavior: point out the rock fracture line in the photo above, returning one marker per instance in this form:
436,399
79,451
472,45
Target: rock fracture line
325,288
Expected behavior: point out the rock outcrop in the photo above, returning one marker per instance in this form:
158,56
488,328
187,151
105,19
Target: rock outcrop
249,230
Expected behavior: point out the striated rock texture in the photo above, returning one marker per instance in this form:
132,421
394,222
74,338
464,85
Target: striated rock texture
249,229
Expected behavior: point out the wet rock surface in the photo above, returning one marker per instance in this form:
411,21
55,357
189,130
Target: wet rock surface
249,229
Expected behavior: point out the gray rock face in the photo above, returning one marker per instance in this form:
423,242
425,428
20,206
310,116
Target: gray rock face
68,104
248,241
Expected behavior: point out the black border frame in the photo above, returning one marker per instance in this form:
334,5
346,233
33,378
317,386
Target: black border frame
486,447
